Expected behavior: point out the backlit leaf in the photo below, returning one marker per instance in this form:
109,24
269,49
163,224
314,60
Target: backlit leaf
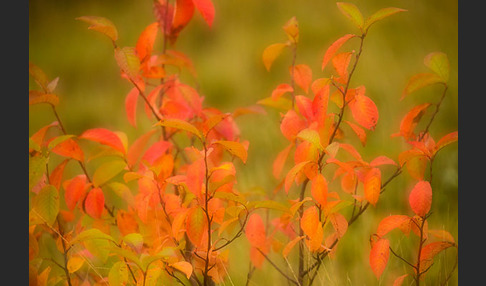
46,204
134,240
270,53
291,125
331,51
39,76
291,29
255,231
302,75
118,275
67,148
128,61
411,119
372,185
235,148
94,203
55,177
101,25
290,177
36,97
310,221
319,189
358,131
420,198
382,160
391,222
364,111
339,223
37,168
438,62
179,124
206,9
379,255
184,11
399,280
280,90
146,40
184,267
446,140
416,166
196,225
74,190
442,235
131,106
105,137
281,103
429,251
107,171
279,162
381,14
419,81
340,62
289,246
268,204
351,12
74,263
311,136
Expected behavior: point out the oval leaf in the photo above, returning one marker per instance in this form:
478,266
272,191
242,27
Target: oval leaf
107,171
94,203
351,12
379,255
101,25
271,53
420,198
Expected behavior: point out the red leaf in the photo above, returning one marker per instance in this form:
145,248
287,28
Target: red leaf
206,9
364,111
55,177
74,190
280,90
420,198
255,231
131,106
69,148
94,203
380,252
411,119
184,11
136,149
391,222
302,75
382,160
291,125
146,40
446,140
430,251
331,51
104,136
372,185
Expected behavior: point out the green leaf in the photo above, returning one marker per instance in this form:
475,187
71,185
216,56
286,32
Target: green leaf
100,248
352,12
101,25
39,76
438,62
134,240
34,146
235,148
46,204
37,167
268,205
128,254
281,103
128,61
381,14
163,254
419,81
90,234
107,171
118,275
179,124
231,197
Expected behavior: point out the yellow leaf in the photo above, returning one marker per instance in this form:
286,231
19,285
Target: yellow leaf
271,53
74,263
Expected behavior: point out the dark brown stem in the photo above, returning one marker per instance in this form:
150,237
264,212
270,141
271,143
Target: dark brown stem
437,106
401,258
421,243
301,233
250,273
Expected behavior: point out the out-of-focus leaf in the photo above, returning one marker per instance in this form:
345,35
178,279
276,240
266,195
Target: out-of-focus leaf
331,51
291,29
372,185
118,275
289,246
36,97
46,204
279,161
379,15
255,231
107,171
131,106
391,222
302,75
420,198
270,53
379,255
74,263
179,124
95,202
39,76
146,40
196,225
128,61
102,25
37,168
206,9
438,62
184,267
364,111
281,103
420,81
351,12
105,137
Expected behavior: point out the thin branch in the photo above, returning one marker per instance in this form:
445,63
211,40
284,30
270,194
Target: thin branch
277,268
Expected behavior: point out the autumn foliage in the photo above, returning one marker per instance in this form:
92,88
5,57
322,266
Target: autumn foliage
164,208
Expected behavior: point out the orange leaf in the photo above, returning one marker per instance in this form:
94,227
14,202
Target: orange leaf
55,177
372,185
291,125
131,106
292,174
101,25
291,29
419,81
391,222
382,160
399,280
196,225
280,90
302,75
36,97
380,252
416,167
340,62
442,235
279,162
289,246
310,221
69,148
331,51
339,223
137,147
358,131
446,140
255,231
420,198
146,40
184,11
319,189
270,53
235,148
74,190
430,251
411,119
105,137
206,9
364,111
94,203
184,267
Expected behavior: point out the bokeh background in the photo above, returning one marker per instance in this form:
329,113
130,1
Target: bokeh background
227,58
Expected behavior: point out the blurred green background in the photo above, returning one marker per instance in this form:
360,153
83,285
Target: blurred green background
227,58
